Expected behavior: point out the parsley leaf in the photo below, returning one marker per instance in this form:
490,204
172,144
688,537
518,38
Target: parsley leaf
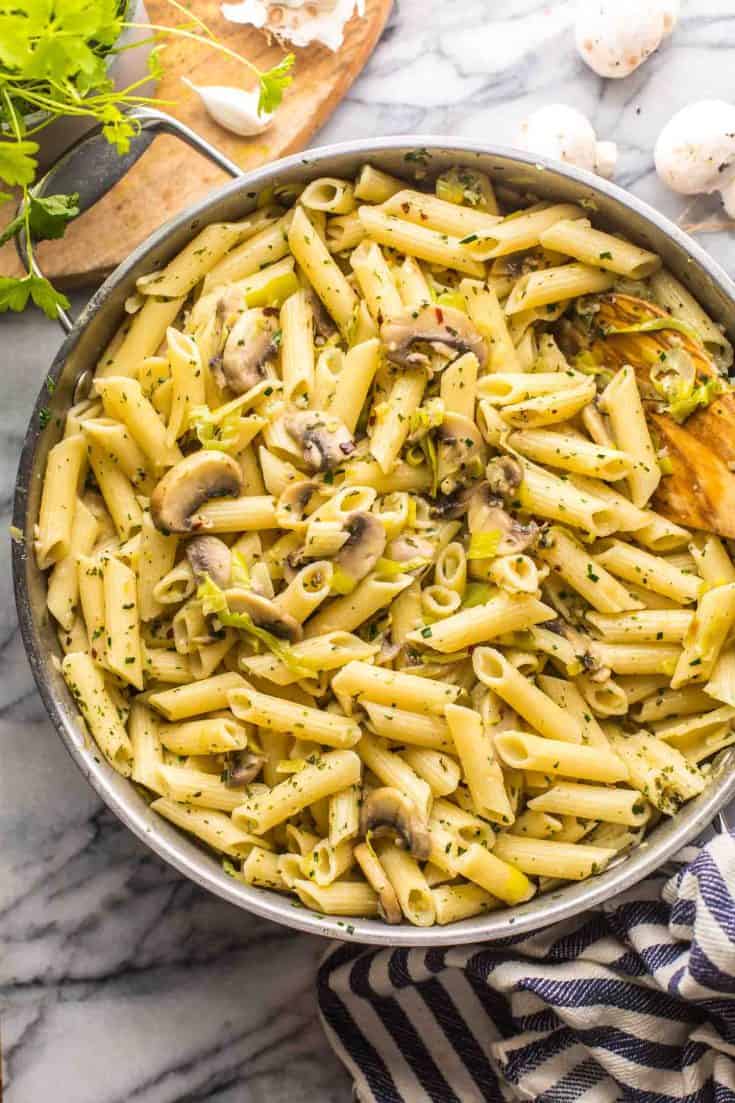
17,164
15,293
48,217
273,84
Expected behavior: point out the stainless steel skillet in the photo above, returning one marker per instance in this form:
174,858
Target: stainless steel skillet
410,157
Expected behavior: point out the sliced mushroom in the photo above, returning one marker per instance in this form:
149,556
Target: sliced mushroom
292,505
452,506
264,613
389,808
388,906
193,481
324,439
208,555
446,329
584,649
459,443
250,346
405,548
324,325
486,514
242,768
363,547
504,476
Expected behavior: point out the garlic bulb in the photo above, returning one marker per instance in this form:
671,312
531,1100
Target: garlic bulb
233,108
298,22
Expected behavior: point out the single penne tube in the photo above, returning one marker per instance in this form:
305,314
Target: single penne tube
441,772
297,346
632,658
277,714
486,314
450,570
320,653
419,729
571,453
156,555
87,686
629,517
376,281
412,284
570,700
392,425
549,409
176,585
659,770
493,670
330,194
695,748
307,591
706,634
507,388
643,625
375,186
461,901
326,862
721,685
213,735
675,728
621,401
548,858
403,477
323,274
650,572
252,514
593,802
558,500
190,266
438,214
344,232
497,877
502,613
553,285
186,701
214,828
162,665
393,771
396,689
261,868
344,815
520,231
331,773
571,561
65,469
122,623
146,746
193,786
479,764
604,698
348,898
118,493
408,883
353,382
660,535
713,563
458,386
664,703
669,293
419,241
142,338
576,238
349,612
523,751
187,378
535,825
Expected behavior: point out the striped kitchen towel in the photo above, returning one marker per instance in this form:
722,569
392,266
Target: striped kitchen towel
632,1002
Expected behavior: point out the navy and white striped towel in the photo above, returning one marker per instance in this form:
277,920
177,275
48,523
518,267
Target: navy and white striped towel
634,1002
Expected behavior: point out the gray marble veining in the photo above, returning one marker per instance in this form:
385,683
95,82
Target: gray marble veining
119,981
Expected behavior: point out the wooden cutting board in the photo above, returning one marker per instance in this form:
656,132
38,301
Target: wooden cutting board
170,175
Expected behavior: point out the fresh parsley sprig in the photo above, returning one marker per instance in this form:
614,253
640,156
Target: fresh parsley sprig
53,64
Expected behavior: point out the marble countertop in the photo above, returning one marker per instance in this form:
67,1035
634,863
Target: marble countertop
119,981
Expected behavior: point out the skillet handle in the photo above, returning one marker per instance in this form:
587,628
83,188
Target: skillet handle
92,167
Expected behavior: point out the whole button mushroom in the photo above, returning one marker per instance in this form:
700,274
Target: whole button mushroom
614,37
695,151
566,134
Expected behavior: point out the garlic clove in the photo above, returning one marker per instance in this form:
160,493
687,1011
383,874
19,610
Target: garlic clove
233,108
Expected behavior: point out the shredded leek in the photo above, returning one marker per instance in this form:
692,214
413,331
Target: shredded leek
682,405
665,465
275,291
429,450
214,602
218,429
453,299
342,582
476,593
391,568
484,545
653,325
240,570
426,417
